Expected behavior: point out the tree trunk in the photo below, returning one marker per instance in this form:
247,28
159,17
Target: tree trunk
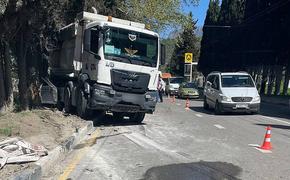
2,85
286,80
21,61
279,74
264,80
271,81
8,77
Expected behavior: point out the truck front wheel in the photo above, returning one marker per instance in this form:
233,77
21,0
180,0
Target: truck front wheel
82,102
137,117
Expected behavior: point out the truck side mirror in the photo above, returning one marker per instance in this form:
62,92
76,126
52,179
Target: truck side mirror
208,84
162,54
97,57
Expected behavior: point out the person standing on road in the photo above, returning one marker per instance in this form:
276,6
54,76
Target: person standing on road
160,88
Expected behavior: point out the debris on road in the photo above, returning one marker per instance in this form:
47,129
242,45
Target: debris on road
16,150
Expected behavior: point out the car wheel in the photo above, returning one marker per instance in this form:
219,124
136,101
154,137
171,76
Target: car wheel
217,108
205,105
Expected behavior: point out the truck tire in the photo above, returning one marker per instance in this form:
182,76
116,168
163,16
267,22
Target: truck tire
67,100
137,117
118,116
82,103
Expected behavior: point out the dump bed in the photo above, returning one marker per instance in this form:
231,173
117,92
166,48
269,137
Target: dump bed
61,59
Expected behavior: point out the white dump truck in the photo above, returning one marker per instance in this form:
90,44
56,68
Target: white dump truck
101,64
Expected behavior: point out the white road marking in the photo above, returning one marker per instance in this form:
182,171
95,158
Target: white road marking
263,151
278,120
219,126
257,147
198,115
146,143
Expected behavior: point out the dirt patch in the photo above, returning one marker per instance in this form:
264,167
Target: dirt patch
44,127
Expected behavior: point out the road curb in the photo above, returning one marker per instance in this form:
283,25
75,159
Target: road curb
32,173
45,163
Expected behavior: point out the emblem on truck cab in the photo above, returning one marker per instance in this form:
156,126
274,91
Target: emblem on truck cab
110,64
132,75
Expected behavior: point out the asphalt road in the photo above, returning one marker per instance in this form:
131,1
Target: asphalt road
179,144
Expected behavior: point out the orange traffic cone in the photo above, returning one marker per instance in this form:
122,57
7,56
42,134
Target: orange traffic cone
187,104
267,141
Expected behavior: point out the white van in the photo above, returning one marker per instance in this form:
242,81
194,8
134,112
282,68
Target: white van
231,92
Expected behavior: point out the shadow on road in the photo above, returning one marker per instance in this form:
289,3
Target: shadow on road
199,170
274,110
277,126
200,109
108,120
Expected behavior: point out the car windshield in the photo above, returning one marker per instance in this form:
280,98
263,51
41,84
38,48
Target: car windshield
176,80
237,81
130,47
189,85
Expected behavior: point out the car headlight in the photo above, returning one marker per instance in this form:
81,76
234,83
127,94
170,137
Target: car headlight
257,99
225,98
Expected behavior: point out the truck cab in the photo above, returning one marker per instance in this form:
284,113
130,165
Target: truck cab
106,64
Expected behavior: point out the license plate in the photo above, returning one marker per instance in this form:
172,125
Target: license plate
242,106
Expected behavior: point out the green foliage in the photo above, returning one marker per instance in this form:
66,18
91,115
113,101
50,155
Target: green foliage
209,38
219,37
159,14
6,131
232,12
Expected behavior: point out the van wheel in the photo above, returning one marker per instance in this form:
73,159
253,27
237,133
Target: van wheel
205,105
82,102
217,108
67,100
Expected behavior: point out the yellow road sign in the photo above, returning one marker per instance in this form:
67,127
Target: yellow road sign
188,58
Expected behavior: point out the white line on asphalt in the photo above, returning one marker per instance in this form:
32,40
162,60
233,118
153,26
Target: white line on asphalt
274,119
148,143
198,115
219,126
257,147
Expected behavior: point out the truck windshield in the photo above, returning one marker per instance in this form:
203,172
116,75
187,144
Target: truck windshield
130,47
237,81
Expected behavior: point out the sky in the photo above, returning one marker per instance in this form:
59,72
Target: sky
199,12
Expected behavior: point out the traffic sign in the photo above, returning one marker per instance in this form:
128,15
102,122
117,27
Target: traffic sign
188,58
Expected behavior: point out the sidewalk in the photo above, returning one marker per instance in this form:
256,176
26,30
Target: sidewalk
278,100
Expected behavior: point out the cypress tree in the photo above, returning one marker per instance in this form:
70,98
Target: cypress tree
187,42
207,53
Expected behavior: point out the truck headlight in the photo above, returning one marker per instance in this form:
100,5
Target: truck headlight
225,98
257,99
100,92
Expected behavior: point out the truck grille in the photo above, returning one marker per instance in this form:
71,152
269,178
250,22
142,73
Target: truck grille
242,99
129,81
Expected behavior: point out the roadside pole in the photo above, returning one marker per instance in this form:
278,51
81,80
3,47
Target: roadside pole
188,60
